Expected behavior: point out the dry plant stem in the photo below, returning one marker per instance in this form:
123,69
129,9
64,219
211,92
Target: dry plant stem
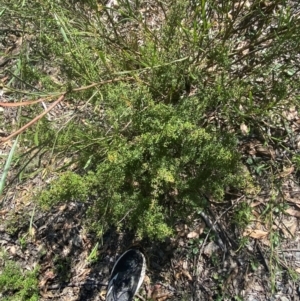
212,228
289,250
23,128
102,83
140,297
8,104
77,284
19,104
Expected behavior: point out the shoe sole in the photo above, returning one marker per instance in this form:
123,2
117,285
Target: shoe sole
132,259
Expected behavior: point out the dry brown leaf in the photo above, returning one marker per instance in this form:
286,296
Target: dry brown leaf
196,232
185,265
292,200
245,51
4,79
13,250
201,227
255,204
182,229
266,242
291,113
297,205
265,151
286,171
258,223
244,129
286,233
84,272
298,270
3,212
147,280
156,292
48,275
103,294
293,212
289,226
293,228
256,214
62,207
193,234
258,234
165,297
210,248
187,275
47,295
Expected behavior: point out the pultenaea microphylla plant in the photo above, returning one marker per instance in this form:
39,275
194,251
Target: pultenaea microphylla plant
156,162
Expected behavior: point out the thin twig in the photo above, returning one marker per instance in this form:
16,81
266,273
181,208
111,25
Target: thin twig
264,261
23,128
101,83
124,216
23,103
34,120
289,250
78,284
212,227
140,297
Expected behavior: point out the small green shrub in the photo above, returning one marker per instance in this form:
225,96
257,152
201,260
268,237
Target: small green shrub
242,215
69,187
153,165
17,285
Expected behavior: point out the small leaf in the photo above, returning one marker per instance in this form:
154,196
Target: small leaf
286,171
193,234
258,234
244,129
293,212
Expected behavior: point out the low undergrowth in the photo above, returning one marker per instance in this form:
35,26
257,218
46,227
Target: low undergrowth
17,284
143,149
150,163
160,100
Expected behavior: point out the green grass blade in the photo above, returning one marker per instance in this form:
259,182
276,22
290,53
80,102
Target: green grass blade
7,165
2,12
62,28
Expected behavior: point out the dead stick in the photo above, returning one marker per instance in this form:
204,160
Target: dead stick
26,103
23,128
19,104
101,83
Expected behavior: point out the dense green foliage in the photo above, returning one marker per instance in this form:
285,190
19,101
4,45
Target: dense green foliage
17,285
155,162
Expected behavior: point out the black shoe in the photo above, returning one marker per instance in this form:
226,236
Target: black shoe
127,276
